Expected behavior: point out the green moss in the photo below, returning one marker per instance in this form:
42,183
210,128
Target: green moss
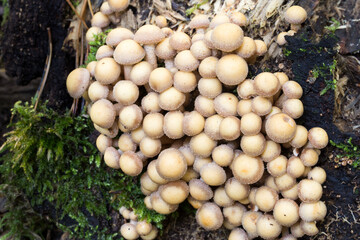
190,11
6,13
349,150
99,40
335,24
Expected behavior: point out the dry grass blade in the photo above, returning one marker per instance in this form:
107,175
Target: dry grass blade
90,7
77,14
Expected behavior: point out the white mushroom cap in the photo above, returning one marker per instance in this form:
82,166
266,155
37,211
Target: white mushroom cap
107,71
174,192
118,5
227,37
111,157
231,69
248,222
267,227
247,170
309,190
286,212
171,164
128,231
317,174
102,113
212,174
221,198
233,214
202,145
266,198
318,137
77,82
160,206
236,190
117,35
209,216
238,234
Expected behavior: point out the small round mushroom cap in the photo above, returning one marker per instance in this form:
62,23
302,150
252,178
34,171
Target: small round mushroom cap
91,68
244,107
270,182
293,107
128,52
125,92
149,35
130,117
160,79
180,41
195,203
221,198
309,190
271,151
105,8
143,227
118,5
103,142
161,21
238,234
200,190
247,170
239,19
152,235
227,37
261,47
200,50
97,91
171,164
295,15
100,20
207,67
193,123
286,212
248,222
160,206
125,143
185,81
253,145
153,125
212,127
318,137
185,61
266,84
174,192
164,50
91,33
277,166
280,128
309,157
204,106
199,21
280,39
117,35
219,19
246,89
285,182
300,138
247,48
209,216
292,90
173,124
171,99
236,190
296,230
202,145
102,113
309,228
150,103
288,237
111,157
234,213
200,162
230,128
317,174
295,167
128,231
107,71
147,183
223,155
315,211
266,198
212,174
150,147
190,175
267,227
261,105
104,51
231,69
130,163
226,104
283,78
147,201
109,132
154,175
77,82
140,73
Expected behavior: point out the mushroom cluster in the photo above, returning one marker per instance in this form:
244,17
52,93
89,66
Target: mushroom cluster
177,110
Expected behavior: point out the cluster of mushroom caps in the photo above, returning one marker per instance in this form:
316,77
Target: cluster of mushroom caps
134,228
190,137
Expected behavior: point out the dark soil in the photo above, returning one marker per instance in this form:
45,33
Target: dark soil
25,47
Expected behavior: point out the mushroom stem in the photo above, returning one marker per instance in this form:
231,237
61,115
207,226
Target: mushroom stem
295,27
127,70
169,63
150,55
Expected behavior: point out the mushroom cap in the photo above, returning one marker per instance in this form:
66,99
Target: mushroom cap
100,20
154,175
130,117
128,52
125,92
149,35
161,21
266,198
209,87
223,155
199,21
286,212
227,37
202,145
267,227
238,18
130,163
150,103
238,234
152,235
128,231
295,167
285,182
231,69
185,81
246,89
104,51
318,137
200,190
153,125
125,143
102,113
207,67
212,174
200,162
266,84
173,124
282,77
209,216
109,132
244,107
277,166
97,91
309,157
292,90
309,190
160,79
280,128
204,106
118,5
180,41
150,147
91,33
171,99
77,82
309,228
91,67
296,230
212,126
111,157
253,145
295,15
140,73
117,35
200,50
300,138
261,105
174,192
247,48
171,164
107,71
225,104
164,50
236,190
247,170
221,198
233,214
160,206
271,151
317,174
193,123
143,227
185,61
230,128
315,211
219,19
147,183
105,8
190,175
103,142
293,107
248,222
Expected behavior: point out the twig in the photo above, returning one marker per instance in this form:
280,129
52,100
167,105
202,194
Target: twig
77,14
90,7
46,71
